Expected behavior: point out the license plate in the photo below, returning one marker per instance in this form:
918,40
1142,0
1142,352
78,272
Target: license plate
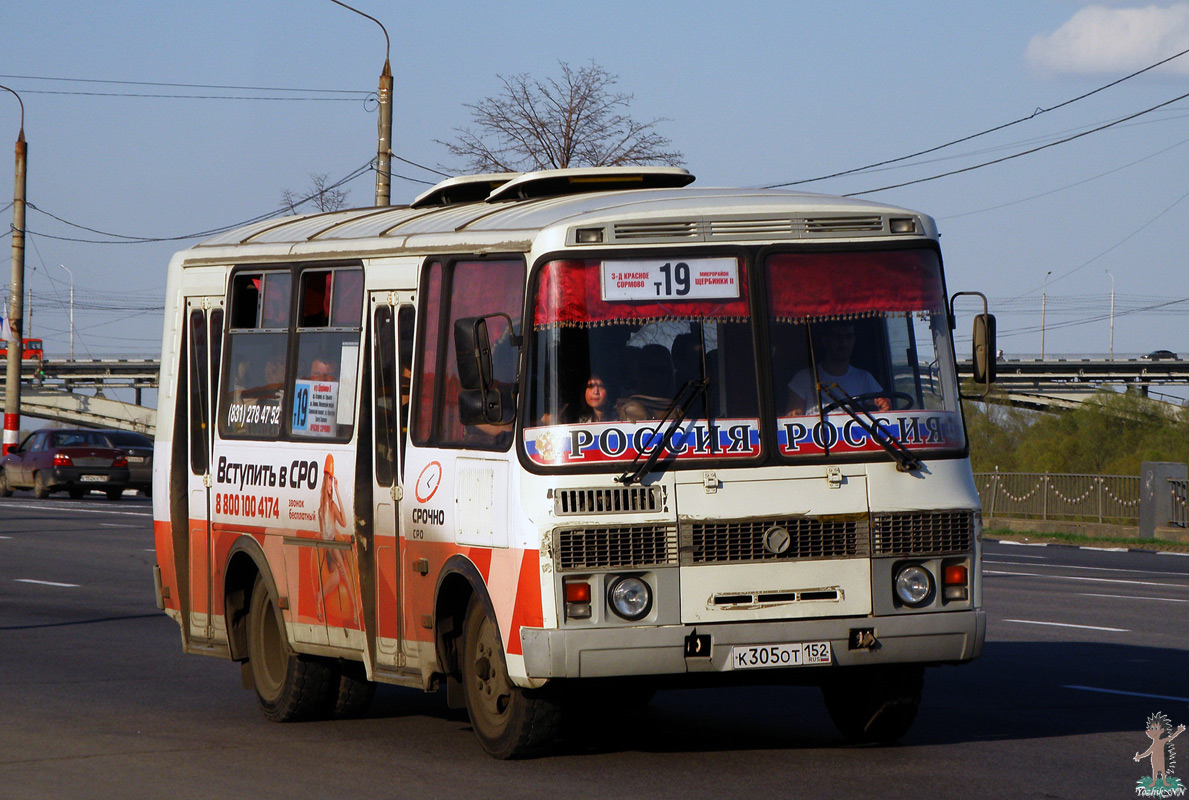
797,654
135,459
93,478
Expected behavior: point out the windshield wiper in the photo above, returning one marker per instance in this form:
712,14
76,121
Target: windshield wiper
678,408
905,460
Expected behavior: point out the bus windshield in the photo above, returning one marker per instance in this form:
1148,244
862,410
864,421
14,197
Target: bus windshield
622,348
859,340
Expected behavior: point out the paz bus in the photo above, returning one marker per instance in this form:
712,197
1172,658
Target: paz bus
569,434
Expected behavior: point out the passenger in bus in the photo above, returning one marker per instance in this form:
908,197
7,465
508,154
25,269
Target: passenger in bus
654,387
834,369
598,404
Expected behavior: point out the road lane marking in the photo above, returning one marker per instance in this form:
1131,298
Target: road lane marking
64,506
1129,694
48,583
1061,565
1068,625
1022,555
1081,578
1023,544
1134,597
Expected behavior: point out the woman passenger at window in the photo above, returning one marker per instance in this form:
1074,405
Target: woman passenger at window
597,403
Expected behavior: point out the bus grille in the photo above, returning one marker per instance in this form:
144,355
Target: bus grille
617,547
619,500
744,540
922,533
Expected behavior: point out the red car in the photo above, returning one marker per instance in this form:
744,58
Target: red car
76,460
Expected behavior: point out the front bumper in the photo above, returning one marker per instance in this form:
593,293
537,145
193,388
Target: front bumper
949,637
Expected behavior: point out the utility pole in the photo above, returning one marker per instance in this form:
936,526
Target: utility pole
71,274
12,375
1043,295
1108,272
384,137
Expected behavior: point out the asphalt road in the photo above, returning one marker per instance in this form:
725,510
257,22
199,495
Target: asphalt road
97,700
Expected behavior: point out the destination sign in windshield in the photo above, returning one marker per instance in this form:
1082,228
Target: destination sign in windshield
689,279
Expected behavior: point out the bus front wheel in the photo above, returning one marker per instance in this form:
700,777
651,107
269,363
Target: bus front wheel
509,721
874,705
289,686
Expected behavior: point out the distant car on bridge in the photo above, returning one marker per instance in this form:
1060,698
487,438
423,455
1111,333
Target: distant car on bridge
1160,355
31,350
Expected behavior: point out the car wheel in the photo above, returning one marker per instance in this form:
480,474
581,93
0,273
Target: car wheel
76,492
5,488
41,488
115,494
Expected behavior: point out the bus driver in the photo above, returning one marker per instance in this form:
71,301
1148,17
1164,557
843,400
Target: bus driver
834,369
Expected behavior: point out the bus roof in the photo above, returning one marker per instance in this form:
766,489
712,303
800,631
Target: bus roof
640,205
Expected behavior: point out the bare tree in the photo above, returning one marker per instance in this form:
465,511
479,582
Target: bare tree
572,121
321,194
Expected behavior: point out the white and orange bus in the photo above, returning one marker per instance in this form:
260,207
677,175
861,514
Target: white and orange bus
566,434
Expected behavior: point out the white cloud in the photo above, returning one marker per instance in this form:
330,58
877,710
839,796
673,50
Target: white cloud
1098,39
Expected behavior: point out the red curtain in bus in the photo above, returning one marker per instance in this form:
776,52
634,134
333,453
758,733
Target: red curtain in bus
848,285
569,293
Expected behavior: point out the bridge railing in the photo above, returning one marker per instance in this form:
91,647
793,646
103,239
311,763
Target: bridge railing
1111,499
1177,516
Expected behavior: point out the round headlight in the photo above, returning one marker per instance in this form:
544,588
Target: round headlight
913,585
630,598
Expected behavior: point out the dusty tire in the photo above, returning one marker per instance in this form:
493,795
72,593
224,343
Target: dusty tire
509,722
289,686
115,494
41,489
5,488
76,493
352,692
875,705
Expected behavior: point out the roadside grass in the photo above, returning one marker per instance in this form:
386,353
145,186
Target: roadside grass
1078,540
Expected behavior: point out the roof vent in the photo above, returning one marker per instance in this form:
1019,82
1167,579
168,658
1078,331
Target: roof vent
555,182
463,189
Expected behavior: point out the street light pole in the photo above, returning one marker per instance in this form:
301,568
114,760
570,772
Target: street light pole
384,133
1043,295
12,375
71,274
1108,272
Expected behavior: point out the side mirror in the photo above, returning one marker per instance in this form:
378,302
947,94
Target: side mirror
984,354
472,348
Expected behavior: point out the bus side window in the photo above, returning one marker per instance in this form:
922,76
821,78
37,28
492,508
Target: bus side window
252,394
406,324
322,404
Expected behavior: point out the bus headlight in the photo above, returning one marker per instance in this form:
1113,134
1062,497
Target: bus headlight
630,597
914,584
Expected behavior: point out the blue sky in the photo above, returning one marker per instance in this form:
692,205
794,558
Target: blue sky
754,93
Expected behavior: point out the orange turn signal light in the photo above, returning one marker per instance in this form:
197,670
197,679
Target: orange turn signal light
577,592
954,575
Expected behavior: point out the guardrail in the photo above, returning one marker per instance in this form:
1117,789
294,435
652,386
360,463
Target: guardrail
1113,499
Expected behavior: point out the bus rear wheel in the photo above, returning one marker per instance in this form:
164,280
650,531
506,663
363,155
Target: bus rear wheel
875,705
510,722
289,686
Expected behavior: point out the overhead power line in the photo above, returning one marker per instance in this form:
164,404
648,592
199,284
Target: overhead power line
991,130
329,95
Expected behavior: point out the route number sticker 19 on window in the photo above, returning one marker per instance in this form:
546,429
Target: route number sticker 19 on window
687,279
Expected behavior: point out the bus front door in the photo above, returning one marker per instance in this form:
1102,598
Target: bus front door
392,315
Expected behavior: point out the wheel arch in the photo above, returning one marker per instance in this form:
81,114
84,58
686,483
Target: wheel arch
245,561
458,581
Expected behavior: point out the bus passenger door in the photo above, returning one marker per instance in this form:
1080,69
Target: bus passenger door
392,316
204,319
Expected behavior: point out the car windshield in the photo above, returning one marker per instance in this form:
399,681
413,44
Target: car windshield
78,439
129,439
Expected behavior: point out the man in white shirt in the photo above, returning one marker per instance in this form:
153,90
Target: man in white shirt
834,367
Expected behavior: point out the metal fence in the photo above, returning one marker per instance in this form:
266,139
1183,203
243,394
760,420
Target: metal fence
1177,515
1047,496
